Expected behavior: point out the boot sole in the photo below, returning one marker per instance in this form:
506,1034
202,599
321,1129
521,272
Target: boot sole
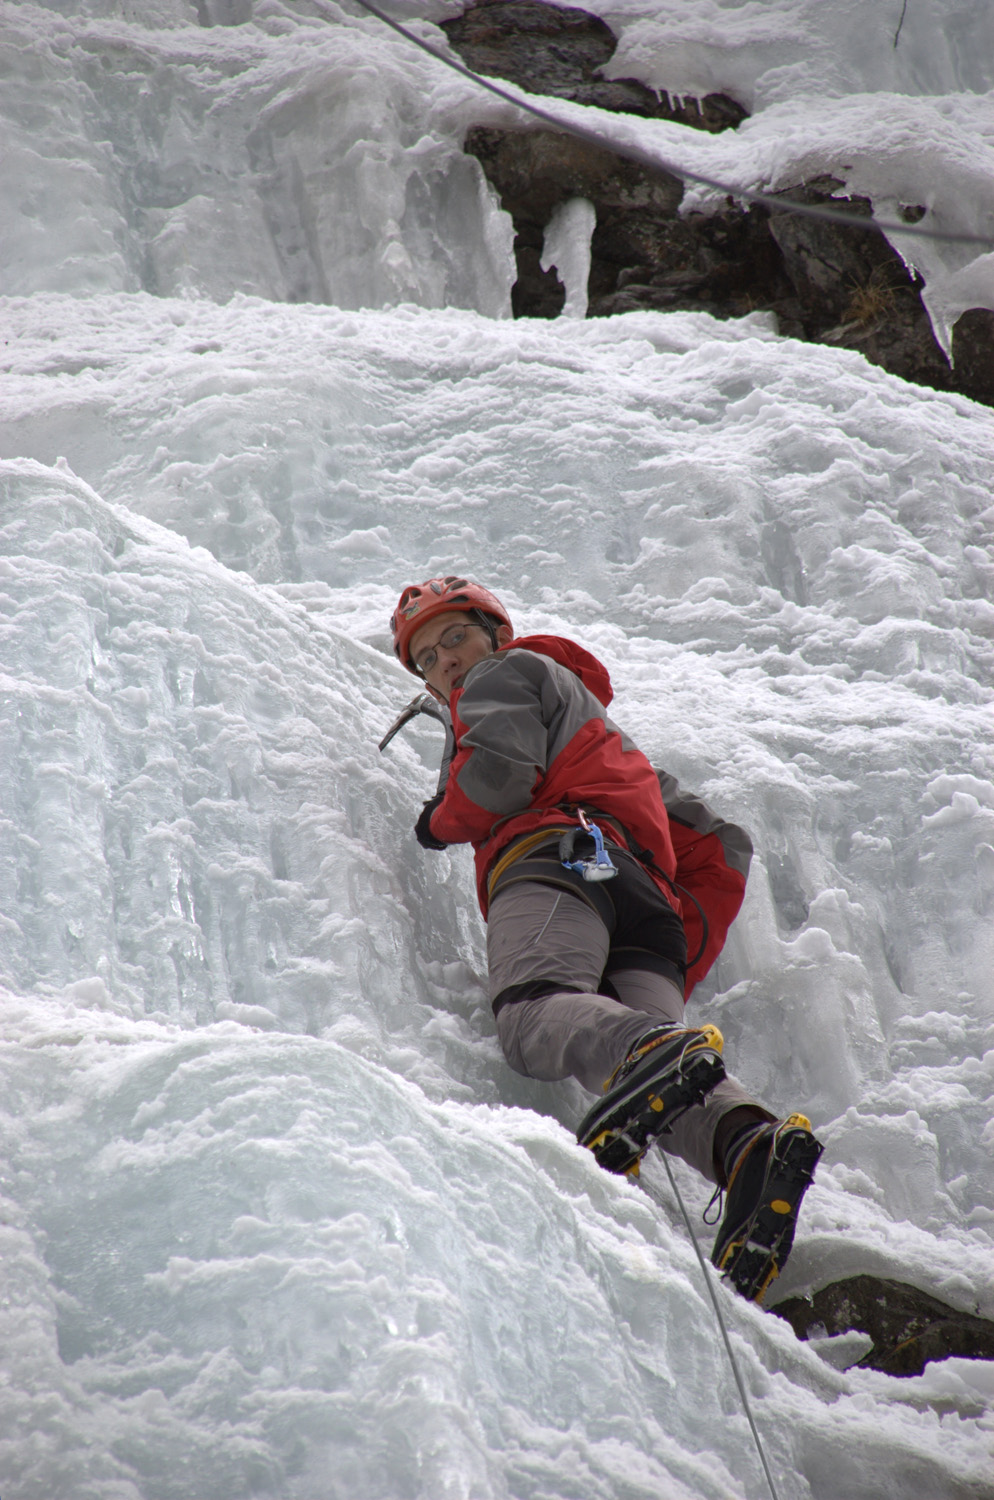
620,1138
758,1249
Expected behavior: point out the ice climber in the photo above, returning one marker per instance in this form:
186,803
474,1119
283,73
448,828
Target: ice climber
592,890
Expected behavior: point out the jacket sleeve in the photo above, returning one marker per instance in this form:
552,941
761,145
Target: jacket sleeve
447,755
501,722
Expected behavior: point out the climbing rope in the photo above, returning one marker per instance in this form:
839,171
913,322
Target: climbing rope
724,1331
656,164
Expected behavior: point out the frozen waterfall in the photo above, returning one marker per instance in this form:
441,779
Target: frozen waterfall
276,1219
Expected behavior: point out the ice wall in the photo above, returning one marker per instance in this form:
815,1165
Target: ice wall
270,1189
305,153
765,53
292,157
275,1218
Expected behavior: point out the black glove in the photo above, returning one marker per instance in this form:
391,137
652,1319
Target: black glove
422,832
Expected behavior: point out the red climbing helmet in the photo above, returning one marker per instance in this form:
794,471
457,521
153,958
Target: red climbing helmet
420,602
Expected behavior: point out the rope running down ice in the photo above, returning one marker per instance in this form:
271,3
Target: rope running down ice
657,164
724,1331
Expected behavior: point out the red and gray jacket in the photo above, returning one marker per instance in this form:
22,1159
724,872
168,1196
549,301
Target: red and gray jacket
530,739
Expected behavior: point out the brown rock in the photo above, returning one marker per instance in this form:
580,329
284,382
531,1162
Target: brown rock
908,1327
831,283
536,170
973,355
558,53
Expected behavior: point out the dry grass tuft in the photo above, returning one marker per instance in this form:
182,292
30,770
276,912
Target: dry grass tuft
874,299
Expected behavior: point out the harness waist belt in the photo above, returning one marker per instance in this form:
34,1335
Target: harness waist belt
517,850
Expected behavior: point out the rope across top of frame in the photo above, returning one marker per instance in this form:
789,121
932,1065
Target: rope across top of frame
654,163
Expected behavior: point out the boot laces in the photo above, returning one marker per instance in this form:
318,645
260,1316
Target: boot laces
635,1056
718,1196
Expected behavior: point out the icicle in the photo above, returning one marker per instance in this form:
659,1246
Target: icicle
567,247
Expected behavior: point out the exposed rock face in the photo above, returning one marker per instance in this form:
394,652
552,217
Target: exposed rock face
830,283
908,1327
557,53
536,171
853,290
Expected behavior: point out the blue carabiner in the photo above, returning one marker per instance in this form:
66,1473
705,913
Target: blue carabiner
596,866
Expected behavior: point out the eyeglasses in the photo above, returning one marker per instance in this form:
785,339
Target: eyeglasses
450,639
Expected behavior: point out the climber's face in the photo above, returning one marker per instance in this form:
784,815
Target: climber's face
446,647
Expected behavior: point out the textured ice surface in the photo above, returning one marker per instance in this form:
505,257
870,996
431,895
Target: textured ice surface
291,157
275,1218
269,1183
783,48
307,153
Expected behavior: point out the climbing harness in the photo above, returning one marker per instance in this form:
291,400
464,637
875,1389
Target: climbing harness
596,866
657,164
647,860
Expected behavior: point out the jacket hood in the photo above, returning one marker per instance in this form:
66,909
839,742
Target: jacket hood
592,673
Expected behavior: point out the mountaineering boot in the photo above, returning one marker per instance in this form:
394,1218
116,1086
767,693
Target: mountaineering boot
769,1169
667,1070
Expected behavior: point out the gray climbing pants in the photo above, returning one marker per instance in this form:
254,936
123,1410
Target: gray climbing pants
539,933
